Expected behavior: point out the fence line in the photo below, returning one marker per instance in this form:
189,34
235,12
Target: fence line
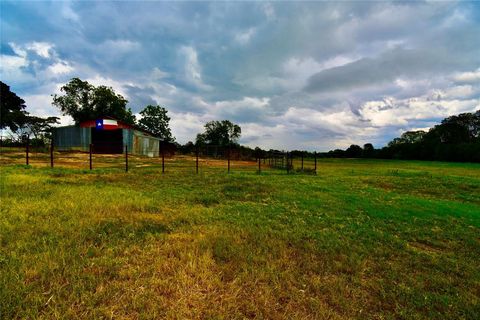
202,157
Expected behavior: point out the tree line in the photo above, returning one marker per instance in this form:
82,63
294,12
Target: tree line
456,138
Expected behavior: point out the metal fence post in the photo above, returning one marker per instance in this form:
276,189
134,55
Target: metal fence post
27,151
302,161
196,164
51,154
90,157
259,165
315,157
126,158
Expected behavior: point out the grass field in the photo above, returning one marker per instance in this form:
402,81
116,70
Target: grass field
362,239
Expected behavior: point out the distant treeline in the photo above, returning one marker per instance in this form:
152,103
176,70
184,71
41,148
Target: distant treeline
456,138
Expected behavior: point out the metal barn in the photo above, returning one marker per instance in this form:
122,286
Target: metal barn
106,136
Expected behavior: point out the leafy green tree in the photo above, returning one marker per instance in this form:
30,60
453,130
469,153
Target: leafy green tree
83,101
221,133
12,112
39,127
156,120
109,103
462,128
408,137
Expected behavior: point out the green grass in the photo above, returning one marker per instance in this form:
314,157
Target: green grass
362,239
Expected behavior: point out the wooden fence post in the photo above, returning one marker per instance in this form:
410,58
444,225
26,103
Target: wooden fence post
51,154
302,161
90,158
126,158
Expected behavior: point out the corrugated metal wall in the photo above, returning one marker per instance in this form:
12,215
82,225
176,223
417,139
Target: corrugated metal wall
128,139
145,145
77,138
72,138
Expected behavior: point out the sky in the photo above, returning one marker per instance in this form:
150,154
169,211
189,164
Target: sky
293,75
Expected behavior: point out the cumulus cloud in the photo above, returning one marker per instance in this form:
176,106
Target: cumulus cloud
117,86
43,49
468,77
60,67
392,112
12,68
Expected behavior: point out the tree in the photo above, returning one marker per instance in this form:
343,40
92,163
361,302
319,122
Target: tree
12,112
408,137
463,128
108,103
83,101
221,133
156,120
353,151
368,150
40,128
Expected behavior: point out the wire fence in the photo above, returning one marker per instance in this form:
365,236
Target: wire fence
197,160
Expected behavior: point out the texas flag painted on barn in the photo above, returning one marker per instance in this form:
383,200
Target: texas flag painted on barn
106,124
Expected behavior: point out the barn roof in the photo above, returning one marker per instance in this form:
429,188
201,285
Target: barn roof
120,124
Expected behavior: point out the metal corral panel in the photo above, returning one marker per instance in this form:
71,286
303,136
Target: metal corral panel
72,138
128,139
145,145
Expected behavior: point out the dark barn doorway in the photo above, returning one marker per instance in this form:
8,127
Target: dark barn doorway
107,141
